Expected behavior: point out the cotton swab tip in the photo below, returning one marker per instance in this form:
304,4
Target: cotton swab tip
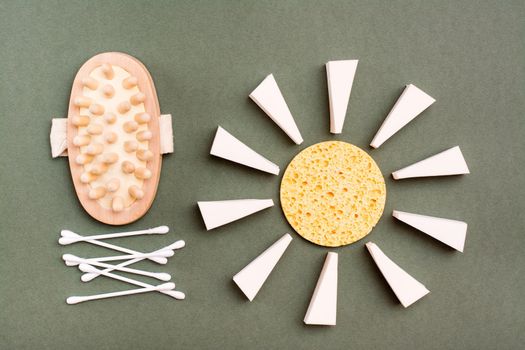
177,245
87,268
180,295
165,286
74,300
175,294
165,253
68,233
66,240
87,277
160,229
163,276
70,259
159,260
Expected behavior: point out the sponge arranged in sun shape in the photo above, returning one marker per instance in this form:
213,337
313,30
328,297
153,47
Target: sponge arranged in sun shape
333,193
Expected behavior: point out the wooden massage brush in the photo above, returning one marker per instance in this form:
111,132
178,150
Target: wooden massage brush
113,138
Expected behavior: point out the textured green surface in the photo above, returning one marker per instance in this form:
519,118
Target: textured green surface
205,58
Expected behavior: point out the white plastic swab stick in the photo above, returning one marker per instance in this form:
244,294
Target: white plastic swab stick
323,305
270,99
73,260
450,232
69,237
410,104
90,269
251,278
340,77
227,146
161,287
158,260
158,275
90,276
449,162
218,213
407,289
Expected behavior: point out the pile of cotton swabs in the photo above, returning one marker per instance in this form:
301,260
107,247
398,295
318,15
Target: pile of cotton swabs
94,267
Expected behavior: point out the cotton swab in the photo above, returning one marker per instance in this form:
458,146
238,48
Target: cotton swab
69,237
158,275
158,260
161,287
72,260
90,276
90,269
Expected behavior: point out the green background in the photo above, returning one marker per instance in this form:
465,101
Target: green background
205,58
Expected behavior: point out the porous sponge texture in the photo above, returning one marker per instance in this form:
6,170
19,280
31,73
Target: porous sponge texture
333,193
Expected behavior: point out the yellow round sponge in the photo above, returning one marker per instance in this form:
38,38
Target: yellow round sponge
333,193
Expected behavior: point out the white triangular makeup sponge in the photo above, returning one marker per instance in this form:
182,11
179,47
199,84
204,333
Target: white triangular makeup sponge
340,77
323,305
407,289
218,213
227,146
449,162
270,99
410,104
450,232
252,277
